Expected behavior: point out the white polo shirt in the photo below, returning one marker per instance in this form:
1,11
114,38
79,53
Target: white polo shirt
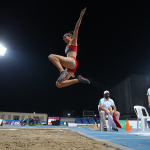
106,103
148,92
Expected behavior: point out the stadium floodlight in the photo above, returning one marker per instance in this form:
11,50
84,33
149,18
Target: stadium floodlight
2,50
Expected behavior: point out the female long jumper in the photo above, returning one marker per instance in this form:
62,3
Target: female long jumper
69,62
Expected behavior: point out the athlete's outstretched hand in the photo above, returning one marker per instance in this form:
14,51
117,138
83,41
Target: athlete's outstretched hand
83,11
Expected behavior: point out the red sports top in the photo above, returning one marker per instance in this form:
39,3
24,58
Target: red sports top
70,47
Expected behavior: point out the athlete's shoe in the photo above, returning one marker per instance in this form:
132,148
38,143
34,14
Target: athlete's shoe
105,129
62,76
83,80
114,129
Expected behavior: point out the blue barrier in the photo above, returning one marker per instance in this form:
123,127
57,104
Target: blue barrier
61,122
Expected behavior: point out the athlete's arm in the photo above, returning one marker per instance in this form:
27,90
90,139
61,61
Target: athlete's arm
148,100
114,107
76,29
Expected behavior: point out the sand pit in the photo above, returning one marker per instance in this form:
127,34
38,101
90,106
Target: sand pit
46,140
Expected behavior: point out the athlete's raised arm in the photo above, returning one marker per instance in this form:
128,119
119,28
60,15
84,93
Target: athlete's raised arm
76,29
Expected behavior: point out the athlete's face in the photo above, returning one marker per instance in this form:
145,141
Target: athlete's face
67,38
106,95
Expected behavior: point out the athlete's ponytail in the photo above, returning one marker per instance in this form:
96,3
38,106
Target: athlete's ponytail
70,33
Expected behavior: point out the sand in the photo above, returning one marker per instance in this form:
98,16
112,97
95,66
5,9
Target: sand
45,139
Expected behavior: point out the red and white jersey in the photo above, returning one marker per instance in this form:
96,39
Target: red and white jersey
70,47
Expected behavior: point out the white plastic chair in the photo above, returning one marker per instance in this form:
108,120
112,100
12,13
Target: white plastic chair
139,113
101,123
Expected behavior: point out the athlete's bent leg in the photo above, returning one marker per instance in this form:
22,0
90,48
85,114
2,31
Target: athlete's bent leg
67,62
56,62
66,83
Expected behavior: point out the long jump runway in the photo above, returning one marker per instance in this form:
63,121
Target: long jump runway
122,139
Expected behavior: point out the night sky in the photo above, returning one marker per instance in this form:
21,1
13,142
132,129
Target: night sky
113,43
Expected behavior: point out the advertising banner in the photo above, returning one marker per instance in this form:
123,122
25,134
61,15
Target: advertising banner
12,123
53,121
72,124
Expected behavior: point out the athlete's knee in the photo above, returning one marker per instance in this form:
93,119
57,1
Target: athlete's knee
118,113
51,56
102,112
59,85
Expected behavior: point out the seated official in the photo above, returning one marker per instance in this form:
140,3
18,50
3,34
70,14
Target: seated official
106,105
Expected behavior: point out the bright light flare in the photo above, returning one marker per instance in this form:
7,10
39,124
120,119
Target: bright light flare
2,50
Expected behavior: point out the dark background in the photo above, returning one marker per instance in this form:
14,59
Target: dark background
113,44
